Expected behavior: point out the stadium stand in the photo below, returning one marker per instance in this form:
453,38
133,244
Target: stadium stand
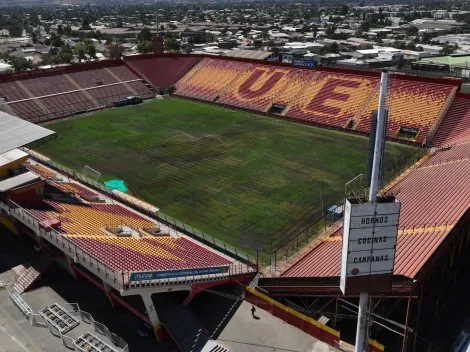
117,236
331,97
47,85
161,71
439,182
208,78
256,87
44,94
455,127
411,104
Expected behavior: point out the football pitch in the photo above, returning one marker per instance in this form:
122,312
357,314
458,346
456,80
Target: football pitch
240,177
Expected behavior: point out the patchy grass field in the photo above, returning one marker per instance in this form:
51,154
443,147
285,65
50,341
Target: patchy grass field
240,177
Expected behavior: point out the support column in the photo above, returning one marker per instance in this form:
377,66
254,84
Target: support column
108,289
153,316
67,264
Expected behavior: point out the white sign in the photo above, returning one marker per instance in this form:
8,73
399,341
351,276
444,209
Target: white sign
369,238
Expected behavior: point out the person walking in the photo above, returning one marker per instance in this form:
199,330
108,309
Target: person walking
253,310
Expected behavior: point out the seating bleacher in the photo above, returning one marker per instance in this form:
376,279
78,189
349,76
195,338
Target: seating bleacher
59,103
11,91
410,103
53,84
85,225
331,97
123,73
162,72
27,109
92,78
349,92
128,253
61,97
208,78
455,127
257,87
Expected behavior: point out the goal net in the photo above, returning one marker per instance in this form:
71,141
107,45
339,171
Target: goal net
91,173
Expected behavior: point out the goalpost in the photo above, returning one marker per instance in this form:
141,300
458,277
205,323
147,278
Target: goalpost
91,173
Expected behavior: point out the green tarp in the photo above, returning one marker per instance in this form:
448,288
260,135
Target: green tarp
116,184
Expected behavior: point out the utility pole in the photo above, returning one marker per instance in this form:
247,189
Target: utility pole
362,331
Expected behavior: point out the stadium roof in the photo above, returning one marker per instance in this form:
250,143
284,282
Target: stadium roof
11,156
18,181
249,54
15,132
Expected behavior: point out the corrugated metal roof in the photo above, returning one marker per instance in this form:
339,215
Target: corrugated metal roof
249,54
434,197
15,132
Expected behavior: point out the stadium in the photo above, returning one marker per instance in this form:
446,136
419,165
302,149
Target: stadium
236,176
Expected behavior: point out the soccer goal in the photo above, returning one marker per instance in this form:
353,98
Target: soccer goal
91,173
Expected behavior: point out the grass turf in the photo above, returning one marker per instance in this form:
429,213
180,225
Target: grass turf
237,176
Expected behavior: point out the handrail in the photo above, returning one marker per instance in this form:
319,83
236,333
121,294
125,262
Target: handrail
437,122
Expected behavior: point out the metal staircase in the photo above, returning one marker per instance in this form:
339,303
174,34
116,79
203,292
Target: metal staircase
27,277
180,323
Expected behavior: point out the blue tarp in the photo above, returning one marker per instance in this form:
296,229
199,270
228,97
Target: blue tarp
116,184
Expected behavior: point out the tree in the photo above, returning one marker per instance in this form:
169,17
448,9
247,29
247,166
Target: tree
171,44
34,36
145,47
68,31
65,57
15,30
85,25
412,31
114,50
365,26
144,35
448,49
20,64
56,41
80,52
119,23
315,31
91,50
305,28
60,29
411,46
47,28
344,10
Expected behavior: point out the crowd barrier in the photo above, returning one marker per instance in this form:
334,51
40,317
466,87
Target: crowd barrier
307,324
